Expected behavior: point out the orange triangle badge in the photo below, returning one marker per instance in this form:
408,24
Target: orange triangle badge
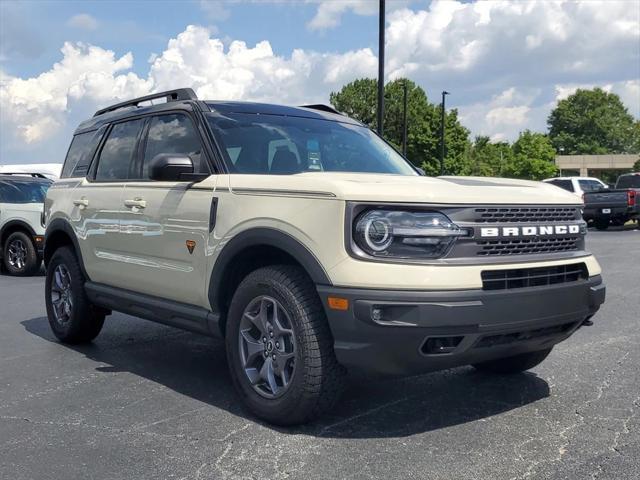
190,246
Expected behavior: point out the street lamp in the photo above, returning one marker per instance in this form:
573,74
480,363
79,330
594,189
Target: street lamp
404,119
381,68
442,135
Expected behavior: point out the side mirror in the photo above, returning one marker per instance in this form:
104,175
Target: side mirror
170,167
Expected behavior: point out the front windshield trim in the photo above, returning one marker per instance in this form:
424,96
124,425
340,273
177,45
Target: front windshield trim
379,156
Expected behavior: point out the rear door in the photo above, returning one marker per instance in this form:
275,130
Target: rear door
165,225
97,203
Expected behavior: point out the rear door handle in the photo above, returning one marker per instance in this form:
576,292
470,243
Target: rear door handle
137,202
82,203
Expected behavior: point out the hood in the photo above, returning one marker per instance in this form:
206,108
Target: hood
366,187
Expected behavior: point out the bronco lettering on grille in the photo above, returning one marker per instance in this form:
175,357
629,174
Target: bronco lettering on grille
529,231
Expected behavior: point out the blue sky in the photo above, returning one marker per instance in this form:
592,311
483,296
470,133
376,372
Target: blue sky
506,63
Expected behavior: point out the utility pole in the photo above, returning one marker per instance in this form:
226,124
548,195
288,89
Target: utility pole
404,119
442,134
381,26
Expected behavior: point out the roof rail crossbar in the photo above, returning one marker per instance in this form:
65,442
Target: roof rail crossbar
25,174
178,95
322,107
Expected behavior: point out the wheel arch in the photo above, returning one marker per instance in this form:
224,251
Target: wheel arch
14,226
252,249
60,233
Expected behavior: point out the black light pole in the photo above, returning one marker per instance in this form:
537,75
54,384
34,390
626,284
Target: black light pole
404,119
442,135
381,68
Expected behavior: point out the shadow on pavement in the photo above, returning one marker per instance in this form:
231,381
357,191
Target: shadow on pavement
196,366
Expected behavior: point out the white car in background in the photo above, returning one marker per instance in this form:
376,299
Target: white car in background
578,185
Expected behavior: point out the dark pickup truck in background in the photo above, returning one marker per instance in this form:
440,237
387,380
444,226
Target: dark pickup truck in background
614,206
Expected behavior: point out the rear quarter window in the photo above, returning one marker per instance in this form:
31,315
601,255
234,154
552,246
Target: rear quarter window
80,153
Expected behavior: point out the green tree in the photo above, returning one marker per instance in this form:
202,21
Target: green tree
489,159
593,122
636,166
533,157
358,99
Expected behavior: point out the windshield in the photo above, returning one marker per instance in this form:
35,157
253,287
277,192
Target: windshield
22,191
279,145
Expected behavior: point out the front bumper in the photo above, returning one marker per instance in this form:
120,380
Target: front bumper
408,332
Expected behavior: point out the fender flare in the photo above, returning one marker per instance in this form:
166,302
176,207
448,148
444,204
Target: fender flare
62,225
16,223
264,237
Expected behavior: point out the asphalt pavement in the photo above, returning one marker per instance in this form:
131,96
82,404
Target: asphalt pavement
150,402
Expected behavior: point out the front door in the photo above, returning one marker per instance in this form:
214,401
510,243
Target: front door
165,225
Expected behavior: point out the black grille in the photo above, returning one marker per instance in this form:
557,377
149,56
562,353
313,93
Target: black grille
533,277
507,338
527,246
526,214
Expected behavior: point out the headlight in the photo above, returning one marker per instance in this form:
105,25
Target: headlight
405,234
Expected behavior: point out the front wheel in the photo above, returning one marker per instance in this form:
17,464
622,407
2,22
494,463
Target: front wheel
515,364
73,319
280,348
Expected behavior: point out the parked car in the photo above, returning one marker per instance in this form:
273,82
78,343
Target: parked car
21,222
310,245
578,185
614,206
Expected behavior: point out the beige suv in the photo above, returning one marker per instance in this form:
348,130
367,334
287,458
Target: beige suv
310,245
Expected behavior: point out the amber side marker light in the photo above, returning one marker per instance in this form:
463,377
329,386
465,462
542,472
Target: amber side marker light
337,303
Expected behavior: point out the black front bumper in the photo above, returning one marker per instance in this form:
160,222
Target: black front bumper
408,332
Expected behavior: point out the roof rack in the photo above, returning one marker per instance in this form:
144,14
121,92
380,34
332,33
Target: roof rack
322,107
178,95
25,174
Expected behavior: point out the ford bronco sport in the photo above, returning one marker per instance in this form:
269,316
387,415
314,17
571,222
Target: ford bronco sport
22,222
310,245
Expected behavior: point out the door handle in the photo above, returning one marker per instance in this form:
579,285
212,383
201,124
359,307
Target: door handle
82,203
135,203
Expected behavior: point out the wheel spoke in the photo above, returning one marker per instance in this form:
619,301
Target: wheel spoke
278,329
268,375
254,347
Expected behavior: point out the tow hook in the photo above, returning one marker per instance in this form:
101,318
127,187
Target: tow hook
587,322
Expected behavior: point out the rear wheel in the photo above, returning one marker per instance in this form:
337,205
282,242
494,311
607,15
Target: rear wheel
515,364
601,223
280,348
20,255
72,317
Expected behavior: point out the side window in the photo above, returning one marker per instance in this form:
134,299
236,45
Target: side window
565,184
173,133
590,185
118,150
78,156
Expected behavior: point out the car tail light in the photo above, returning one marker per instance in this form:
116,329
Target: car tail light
631,198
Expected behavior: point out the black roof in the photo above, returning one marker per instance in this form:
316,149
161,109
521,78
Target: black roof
24,177
185,99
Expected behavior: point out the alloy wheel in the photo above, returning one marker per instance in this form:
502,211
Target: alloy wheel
267,346
61,294
17,254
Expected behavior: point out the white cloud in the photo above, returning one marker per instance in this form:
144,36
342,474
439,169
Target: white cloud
88,77
505,64
330,12
83,21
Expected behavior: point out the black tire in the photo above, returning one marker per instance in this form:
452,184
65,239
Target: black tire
601,223
516,364
29,262
317,381
83,321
